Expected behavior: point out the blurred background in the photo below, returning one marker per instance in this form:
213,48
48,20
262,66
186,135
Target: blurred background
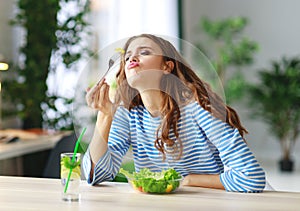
253,45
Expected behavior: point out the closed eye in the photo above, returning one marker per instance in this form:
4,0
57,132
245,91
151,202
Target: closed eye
145,52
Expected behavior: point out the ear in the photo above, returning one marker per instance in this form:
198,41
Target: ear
169,66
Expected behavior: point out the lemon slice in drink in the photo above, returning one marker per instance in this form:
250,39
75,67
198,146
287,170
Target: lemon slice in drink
66,165
75,172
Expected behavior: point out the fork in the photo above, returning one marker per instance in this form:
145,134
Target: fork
111,62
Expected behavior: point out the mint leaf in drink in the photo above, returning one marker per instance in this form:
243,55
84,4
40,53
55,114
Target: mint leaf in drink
67,162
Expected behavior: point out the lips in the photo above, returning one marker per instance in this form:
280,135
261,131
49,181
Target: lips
132,65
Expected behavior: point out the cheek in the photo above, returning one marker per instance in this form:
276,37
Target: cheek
126,73
154,62
156,65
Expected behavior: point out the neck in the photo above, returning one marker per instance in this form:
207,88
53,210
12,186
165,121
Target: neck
152,101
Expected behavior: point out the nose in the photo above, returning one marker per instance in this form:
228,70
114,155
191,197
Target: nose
133,58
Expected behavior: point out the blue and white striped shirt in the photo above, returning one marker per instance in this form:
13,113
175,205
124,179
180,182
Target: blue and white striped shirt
208,144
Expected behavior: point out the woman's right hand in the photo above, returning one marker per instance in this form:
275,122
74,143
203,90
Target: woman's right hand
97,98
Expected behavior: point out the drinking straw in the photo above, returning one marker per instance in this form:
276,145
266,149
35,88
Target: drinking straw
73,158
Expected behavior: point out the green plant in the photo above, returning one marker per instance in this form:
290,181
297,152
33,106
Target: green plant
49,42
229,52
275,100
27,90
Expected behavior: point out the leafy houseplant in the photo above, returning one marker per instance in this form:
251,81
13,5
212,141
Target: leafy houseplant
39,20
229,52
48,42
275,99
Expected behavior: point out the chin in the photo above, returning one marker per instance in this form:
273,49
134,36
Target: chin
145,80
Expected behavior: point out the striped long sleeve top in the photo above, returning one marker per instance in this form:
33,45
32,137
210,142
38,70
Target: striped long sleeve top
208,144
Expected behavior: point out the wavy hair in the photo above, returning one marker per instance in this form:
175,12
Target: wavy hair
177,89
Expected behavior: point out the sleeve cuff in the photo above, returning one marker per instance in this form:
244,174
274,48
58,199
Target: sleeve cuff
87,166
249,185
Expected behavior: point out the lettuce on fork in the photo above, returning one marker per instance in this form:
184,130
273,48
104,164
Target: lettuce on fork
147,181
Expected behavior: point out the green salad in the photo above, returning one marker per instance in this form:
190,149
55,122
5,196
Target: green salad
147,181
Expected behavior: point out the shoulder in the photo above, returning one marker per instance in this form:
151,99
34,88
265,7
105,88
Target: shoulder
203,117
121,113
189,106
194,109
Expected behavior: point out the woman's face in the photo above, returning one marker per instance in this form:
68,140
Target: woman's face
144,64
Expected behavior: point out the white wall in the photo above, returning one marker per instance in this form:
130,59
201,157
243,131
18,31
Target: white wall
275,25
8,47
6,37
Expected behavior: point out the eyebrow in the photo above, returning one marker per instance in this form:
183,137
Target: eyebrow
141,47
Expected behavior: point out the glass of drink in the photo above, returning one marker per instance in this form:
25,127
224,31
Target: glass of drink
70,176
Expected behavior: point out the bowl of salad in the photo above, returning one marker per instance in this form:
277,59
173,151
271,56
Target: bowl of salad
146,181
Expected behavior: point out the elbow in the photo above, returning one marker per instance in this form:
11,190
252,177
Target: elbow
253,183
245,183
254,186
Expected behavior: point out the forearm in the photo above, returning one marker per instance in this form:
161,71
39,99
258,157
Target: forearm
98,145
204,180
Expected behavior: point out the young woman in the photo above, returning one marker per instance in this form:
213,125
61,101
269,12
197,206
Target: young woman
172,119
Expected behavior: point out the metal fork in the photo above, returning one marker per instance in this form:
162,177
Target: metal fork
111,62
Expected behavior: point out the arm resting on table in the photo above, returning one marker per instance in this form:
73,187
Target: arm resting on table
203,180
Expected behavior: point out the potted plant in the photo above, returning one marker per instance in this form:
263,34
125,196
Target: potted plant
49,41
275,100
230,51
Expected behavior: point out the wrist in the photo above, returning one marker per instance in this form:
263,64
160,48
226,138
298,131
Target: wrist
104,118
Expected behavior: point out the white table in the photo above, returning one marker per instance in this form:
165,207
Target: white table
27,146
11,154
20,193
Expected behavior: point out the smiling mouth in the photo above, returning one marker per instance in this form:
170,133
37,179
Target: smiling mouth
133,65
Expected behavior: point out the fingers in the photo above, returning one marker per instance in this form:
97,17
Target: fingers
97,97
104,92
91,93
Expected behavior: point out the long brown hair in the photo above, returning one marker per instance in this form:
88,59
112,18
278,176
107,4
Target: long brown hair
175,93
